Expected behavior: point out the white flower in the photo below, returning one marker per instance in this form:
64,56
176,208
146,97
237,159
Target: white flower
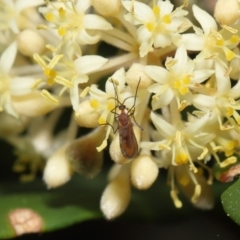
69,73
222,101
11,14
160,26
73,24
180,140
11,85
175,81
211,42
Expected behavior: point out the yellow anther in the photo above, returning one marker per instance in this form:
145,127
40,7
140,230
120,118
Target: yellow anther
176,201
102,146
228,161
229,54
50,72
61,12
49,96
35,84
63,81
197,193
85,92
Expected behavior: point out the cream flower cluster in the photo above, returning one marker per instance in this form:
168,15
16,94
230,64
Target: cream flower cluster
169,99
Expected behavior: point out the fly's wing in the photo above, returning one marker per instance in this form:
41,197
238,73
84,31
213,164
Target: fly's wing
128,142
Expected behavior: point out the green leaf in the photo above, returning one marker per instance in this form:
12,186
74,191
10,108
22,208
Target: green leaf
231,201
75,202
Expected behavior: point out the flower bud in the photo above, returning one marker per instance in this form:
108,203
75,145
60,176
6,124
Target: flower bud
108,8
144,172
115,150
136,73
32,104
86,116
83,155
57,170
116,195
30,42
226,11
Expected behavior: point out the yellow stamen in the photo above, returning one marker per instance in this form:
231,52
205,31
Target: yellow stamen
41,27
167,19
85,92
49,96
176,201
55,60
35,84
61,12
63,81
164,147
102,146
50,72
197,193
94,103
228,161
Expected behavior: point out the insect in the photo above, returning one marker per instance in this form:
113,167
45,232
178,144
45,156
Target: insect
127,139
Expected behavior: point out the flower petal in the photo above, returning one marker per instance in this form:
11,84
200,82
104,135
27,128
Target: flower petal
201,75
21,85
8,57
223,82
82,6
22,4
89,64
193,42
206,21
92,21
158,74
163,127
142,12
